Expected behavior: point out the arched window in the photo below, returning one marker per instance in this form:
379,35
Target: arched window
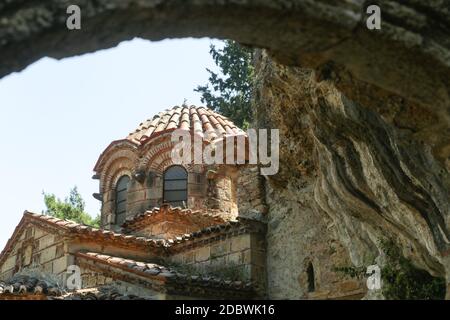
175,186
311,280
121,199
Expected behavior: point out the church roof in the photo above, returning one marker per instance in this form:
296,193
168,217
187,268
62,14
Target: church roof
28,287
168,246
172,280
199,120
197,219
74,229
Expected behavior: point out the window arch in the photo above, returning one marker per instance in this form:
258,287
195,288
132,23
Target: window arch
311,278
175,186
121,199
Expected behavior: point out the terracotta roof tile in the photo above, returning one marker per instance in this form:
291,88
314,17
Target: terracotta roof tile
200,120
196,217
169,274
29,285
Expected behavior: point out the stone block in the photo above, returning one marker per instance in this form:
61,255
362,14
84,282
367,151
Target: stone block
27,254
234,258
220,249
9,264
202,254
189,257
38,233
246,256
46,241
178,258
240,243
47,267
6,275
218,262
60,265
139,195
48,254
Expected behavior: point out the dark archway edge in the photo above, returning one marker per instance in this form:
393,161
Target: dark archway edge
413,43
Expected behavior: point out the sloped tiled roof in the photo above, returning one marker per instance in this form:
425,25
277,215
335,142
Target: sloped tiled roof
76,229
199,120
28,285
165,246
168,275
197,218
233,227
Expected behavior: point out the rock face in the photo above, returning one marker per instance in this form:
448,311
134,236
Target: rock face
349,177
364,116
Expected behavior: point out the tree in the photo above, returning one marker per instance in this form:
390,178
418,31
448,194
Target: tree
230,93
72,208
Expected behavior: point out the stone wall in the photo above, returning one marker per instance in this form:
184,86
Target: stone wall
164,230
38,248
93,277
241,256
128,252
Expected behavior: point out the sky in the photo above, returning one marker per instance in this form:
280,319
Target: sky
56,117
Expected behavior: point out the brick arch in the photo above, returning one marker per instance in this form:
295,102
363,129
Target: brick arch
116,149
116,168
160,161
117,175
153,151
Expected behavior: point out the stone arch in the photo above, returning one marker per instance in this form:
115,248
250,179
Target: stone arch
121,167
116,149
295,31
154,153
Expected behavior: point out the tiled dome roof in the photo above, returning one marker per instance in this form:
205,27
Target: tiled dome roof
199,120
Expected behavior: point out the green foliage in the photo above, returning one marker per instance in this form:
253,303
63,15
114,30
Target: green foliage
231,93
72,208
403,281
352,272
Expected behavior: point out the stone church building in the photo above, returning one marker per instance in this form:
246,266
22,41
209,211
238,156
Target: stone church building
167,231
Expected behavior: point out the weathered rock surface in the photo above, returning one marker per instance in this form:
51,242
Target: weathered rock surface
349,177
365,136
412,44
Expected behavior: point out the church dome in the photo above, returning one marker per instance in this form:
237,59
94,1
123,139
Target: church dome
198,120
